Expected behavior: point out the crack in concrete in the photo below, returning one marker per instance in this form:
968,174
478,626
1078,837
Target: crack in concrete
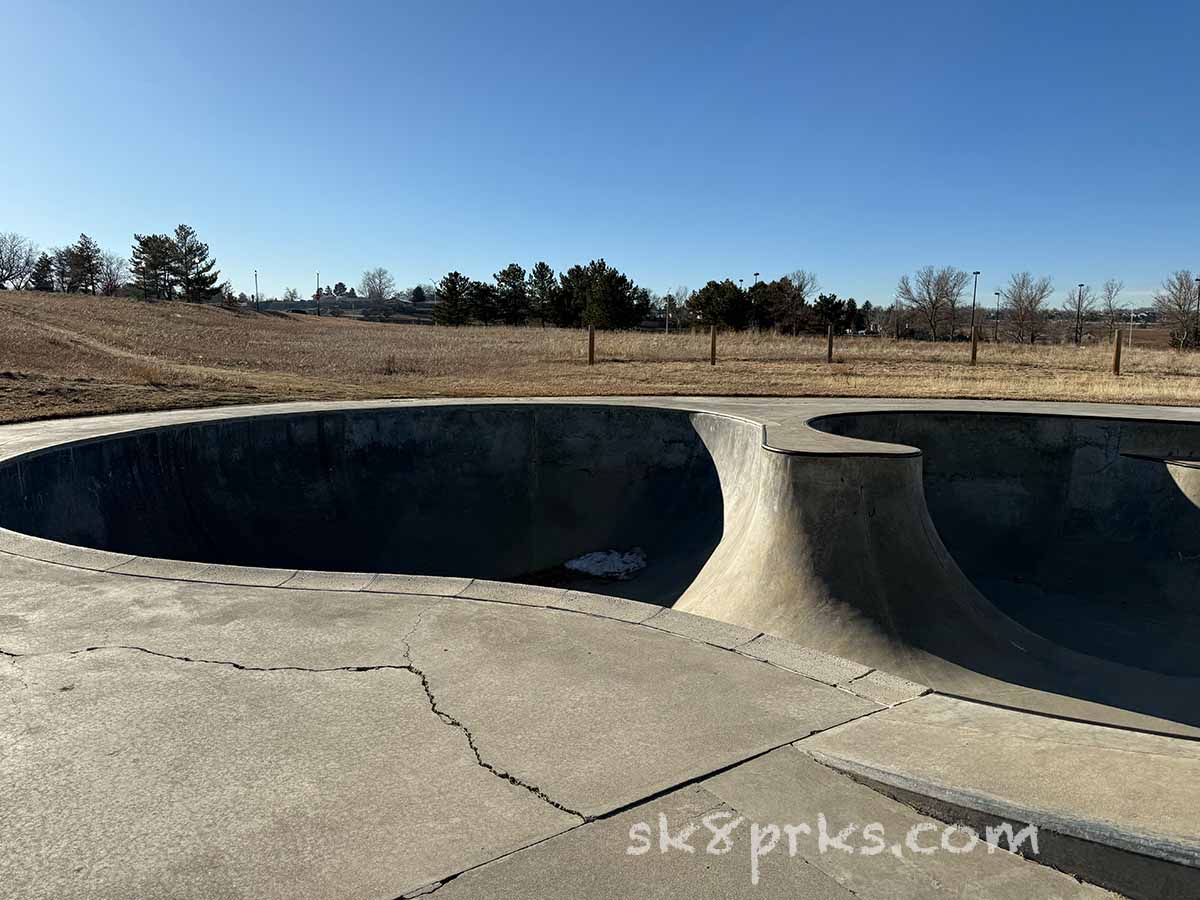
471,743
408,666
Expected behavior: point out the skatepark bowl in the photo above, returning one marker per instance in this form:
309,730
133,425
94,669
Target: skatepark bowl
1044,562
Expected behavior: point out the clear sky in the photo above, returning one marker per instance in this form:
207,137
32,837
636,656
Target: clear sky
681,142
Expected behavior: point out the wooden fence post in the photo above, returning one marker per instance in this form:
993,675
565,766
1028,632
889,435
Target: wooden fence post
712,350
591,345
829,345
1117,354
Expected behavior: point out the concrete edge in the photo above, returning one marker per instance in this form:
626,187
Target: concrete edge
967,803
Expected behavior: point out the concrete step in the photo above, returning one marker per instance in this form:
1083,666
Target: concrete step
1118,808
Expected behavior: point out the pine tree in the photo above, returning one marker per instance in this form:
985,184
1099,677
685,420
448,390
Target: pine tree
597,294
64,276
484,302
544,295
192,268
452,307
42,278
512,295
85,264
149,265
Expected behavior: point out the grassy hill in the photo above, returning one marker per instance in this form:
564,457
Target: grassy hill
64,355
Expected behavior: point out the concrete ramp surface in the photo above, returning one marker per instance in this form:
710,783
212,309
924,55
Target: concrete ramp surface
1040,557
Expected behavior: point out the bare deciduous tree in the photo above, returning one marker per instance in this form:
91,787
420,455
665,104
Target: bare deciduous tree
1080,303
1176,304
291,295
18,256
1024,302
1110,303
675,306
114,272
377,284
934,295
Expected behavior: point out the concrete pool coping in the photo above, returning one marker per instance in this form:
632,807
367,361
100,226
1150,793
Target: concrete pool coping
1113,823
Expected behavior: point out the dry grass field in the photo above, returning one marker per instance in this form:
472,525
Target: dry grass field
63,355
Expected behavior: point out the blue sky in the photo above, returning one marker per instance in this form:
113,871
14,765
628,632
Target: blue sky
682,142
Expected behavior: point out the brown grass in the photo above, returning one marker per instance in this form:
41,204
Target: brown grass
74,355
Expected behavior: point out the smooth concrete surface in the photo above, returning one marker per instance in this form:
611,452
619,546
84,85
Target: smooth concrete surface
810,583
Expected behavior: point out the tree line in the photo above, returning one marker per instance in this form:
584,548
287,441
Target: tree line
932,302
592,294
176,266
601,295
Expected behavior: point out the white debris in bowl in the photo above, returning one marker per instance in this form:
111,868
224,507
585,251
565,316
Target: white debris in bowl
610,563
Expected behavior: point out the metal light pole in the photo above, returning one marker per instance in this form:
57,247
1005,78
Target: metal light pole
318,295
1079,317
756,279
974,291
996,332
256,309
1198,299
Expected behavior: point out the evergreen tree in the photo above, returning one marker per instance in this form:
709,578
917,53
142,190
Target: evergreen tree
42,278
64,276
85,264
484,302
544,295
339,289
829,310
452,307
597,294
192,268
792,310
851,317
720,303
150,264
512,295
418,294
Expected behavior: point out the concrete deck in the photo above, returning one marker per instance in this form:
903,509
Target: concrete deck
193,728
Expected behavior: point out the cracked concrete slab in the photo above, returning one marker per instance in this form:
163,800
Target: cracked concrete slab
698,628
804,660
417,584
253,625
593,863
330,581
562,699
884,688
130,775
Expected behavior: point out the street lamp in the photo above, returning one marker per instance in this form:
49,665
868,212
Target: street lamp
256,309
974,291
756,279
1079,317
996,332
1198,298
